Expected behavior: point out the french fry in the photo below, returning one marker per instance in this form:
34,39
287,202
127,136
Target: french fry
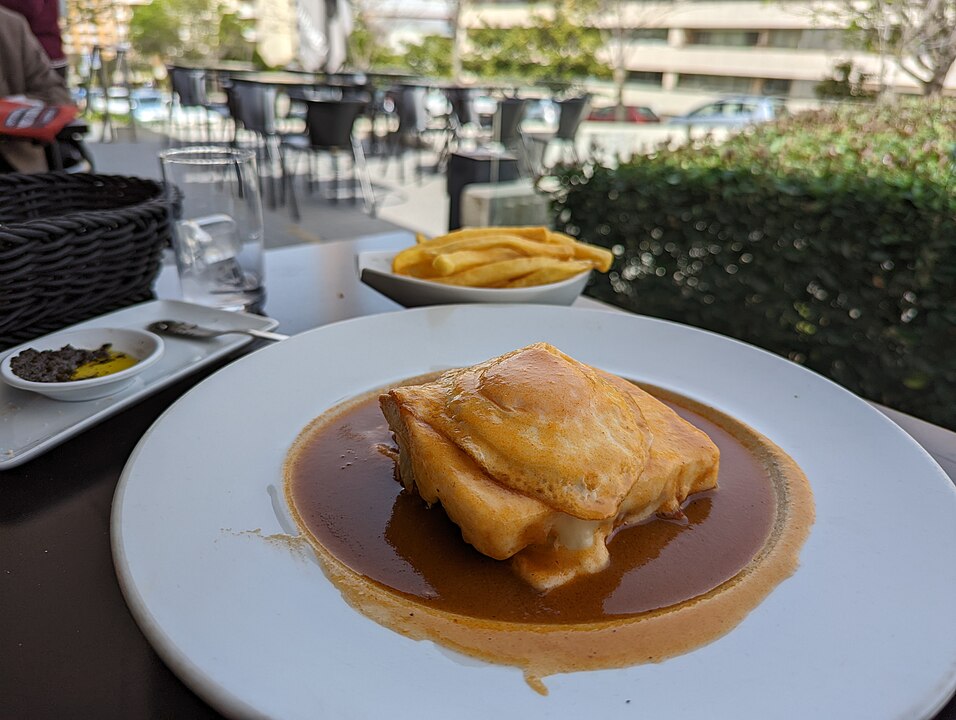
410,257
496,273
559,237
500,257
539,234
416,253
561,270
454,262
529,248
424,270
601,257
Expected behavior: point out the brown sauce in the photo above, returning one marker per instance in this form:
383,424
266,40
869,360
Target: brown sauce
405,564
346,494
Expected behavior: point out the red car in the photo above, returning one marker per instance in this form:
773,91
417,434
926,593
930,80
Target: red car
632,114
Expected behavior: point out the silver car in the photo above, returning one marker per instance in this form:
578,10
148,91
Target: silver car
736,111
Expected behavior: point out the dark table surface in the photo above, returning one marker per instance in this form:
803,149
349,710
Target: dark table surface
69,647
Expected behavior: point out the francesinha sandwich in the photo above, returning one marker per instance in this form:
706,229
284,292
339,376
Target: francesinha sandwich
538,458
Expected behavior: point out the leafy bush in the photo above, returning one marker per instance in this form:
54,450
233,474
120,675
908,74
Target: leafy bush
845,83
828,238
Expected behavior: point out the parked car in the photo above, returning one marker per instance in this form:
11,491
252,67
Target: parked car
541,110
116,100
150,105
632,114
734,111
436,104
538,112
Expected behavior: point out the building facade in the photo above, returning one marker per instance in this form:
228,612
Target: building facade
678,53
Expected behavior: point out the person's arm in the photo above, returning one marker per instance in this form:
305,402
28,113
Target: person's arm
41,81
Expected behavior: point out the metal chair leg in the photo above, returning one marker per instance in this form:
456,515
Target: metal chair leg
270,172
335,176
288,180
365,179
169,126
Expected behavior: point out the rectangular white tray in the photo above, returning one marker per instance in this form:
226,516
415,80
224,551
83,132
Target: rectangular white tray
31,424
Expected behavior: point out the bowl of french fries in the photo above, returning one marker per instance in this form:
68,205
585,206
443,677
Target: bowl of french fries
489,264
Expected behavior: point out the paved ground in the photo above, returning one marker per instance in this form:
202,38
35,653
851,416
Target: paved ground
419,204
410,200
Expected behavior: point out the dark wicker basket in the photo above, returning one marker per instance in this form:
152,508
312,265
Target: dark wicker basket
75,246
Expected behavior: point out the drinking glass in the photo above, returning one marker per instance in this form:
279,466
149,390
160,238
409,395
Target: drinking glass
217,225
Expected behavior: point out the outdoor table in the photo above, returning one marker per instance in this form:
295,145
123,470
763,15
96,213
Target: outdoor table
290,78
467,167
284,78
69,647
221,66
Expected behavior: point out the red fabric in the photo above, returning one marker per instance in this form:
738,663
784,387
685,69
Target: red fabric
34,122
43,16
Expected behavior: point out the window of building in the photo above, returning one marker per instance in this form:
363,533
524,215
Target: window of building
715,83
825,40
776,86
647,36
723,38
638,77
803,89
789,39
809,39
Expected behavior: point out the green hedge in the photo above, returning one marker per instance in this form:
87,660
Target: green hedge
828,238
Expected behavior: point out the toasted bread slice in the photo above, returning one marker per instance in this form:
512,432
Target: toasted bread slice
532,466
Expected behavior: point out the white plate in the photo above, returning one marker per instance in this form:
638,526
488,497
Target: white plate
863,629
31,424
375,270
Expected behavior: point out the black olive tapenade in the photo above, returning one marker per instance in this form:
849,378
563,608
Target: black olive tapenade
54,365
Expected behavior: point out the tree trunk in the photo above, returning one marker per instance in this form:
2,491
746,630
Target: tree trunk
619,71
934,86
620,75
457,39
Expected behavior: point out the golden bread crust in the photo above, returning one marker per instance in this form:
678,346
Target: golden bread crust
538,458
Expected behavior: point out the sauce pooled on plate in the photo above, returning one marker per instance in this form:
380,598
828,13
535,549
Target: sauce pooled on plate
671,585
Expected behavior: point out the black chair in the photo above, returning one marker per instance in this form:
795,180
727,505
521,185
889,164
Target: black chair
232,108
252,106
409,133
462,101
68,151
379,112
572,112
506,131
329,129
188,88
461,121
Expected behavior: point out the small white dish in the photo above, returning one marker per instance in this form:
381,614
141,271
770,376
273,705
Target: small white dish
375,270
31,424
145,346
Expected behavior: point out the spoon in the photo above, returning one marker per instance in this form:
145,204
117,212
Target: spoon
188,330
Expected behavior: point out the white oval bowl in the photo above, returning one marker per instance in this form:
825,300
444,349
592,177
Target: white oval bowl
145,346
375,270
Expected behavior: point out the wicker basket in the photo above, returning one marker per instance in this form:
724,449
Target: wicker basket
75,246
